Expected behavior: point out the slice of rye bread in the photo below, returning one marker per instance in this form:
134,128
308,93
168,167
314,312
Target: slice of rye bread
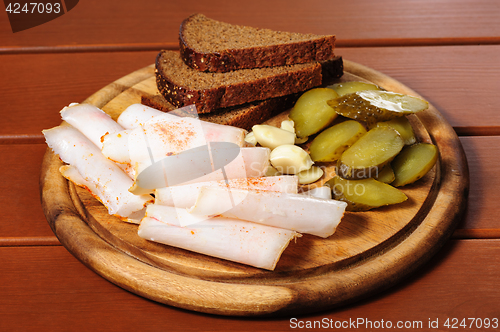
181,85
246,115
210,45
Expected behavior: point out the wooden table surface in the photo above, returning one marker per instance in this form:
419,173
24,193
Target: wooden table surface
448,51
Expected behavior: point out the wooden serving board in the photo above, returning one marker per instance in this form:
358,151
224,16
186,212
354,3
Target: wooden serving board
369,252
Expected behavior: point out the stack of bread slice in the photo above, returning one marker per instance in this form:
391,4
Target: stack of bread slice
238,75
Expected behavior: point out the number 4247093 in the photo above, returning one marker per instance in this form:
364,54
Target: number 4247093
455,323
33,8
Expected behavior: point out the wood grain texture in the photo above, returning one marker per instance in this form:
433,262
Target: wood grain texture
304,282
22,215
29,241
20,189
479,221
438,73
34,88
483,156
75,81
47,289
90,23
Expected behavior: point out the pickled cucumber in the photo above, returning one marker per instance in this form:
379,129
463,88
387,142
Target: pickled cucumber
403,127
351,87
413,163
373,106
365,194
366,157
386,175
311,113
332,142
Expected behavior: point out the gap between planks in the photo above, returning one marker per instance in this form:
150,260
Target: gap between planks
39,138
477,131
476,234
29,241
395,42
22,139
459,234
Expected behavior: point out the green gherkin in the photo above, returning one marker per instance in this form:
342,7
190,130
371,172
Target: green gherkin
365,194
372,106
345,88
413,163
403,127
370,153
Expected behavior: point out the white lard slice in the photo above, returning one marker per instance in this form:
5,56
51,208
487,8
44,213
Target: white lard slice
115,146
94,124
231,239
110,182
137,114
249,163
165,135
301,213
91,121
71,173
184,196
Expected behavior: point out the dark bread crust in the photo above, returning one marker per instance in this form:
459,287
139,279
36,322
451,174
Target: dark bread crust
237,93
331,70
247,115
244,116
317,48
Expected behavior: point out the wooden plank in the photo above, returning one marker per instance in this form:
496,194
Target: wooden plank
45,288
29,241
483,157
437,73
440,74
22,214
22,139
355,23
34,88
24,217
175,45
14,104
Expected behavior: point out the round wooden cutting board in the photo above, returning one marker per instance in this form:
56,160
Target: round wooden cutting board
369,252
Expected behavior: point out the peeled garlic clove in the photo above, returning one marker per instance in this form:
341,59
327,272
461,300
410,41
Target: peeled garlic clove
250,138
311,175
272,137
288,125
290,159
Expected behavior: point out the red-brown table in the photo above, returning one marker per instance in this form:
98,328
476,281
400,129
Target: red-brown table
448,51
